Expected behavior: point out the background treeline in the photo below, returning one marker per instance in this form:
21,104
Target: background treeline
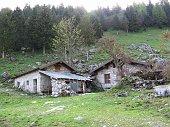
33,28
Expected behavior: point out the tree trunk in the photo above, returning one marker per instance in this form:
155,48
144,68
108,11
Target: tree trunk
65,53
3,54
43,49
87,55
127,30
33,50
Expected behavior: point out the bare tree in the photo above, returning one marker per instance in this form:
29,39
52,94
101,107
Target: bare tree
166,71
116,51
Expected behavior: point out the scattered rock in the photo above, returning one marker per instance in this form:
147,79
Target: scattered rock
83,61
33,102
78,118
38,63
93,50
75,61
23,94
144,47
58,108
5,75
10,81
133,47
122,94
92,67
48,102
12,59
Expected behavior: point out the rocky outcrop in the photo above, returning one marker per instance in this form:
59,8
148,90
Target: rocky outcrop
144,47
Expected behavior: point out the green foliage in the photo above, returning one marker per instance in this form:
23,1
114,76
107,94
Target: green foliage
87,30
7,29
159,15
68,39
132,16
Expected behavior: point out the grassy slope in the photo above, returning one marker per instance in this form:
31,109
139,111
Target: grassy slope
151,37
97,110
25,62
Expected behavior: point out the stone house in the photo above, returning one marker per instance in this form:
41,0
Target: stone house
51,78
106,75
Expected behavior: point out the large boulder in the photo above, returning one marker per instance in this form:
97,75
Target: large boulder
162,91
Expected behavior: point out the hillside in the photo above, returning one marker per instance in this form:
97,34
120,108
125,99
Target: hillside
17,62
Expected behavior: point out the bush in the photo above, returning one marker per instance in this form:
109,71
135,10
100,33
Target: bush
166,71
125,83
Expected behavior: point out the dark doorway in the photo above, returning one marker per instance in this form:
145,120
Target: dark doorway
35,85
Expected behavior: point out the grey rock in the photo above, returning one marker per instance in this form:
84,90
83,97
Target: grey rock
75,61
122,94
133,47
145,47
10,81
93,50
83,61
5,75
162,91
78,118
142,57
38,63
13,59
92,67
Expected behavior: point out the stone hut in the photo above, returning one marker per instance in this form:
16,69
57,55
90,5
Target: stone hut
106,74
54,78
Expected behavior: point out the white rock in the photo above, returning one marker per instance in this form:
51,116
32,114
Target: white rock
58,108
33,102
78,118
48,102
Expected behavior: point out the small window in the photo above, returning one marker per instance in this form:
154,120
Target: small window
27,82
107,78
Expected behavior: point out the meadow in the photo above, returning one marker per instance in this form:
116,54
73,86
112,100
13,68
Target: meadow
104,109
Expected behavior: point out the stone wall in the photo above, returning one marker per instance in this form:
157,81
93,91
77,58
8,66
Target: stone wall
25,82
113,75
61,88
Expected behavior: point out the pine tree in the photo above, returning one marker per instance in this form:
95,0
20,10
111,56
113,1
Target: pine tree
18,18
87,32
132,16
159,15
7,30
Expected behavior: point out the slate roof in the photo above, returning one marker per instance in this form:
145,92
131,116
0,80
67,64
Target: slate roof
64,75
45,66
112,61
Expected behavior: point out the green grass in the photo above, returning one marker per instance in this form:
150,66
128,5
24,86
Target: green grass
151,37
24,62
96,110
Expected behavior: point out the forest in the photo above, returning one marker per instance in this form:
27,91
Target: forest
65,29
